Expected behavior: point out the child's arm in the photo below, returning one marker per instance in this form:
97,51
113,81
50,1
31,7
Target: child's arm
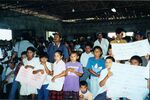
73,70
94,73
29,66
59,76
102,83
47,70
37,71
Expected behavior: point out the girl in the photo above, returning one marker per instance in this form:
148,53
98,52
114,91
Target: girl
30,63
56,83
95,65
73,72
43,68
105,74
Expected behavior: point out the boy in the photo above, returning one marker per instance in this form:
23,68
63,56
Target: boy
84,93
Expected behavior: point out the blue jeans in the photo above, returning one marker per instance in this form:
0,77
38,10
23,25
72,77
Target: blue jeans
15,87
43,93
101,96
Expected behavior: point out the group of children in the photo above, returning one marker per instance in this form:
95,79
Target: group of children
63,79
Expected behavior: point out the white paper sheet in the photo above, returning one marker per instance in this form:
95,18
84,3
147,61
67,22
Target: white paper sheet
125,51
127,81
34,80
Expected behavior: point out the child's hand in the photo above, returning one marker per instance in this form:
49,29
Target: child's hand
53,79
81,97
51,72
109,74
42,71
71,69
28,66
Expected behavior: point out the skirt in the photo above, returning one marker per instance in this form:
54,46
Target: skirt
71,95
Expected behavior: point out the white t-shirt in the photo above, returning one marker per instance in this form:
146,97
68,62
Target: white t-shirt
84,58
58,68
22,46
103,74
104,45
87,95
42,67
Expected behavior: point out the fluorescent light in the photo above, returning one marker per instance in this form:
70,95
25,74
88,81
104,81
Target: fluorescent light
113,10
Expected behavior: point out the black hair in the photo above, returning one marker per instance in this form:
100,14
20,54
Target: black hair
59,52
83,83
43,55
74,52
88,45
112,58
31,49
138,58
24,53
119,30
98,47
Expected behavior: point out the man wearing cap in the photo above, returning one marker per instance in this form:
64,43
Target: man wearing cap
102,42
57,45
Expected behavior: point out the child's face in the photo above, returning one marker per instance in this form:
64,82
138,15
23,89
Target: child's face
57,56
73,57
108,63
12,65
23,57
83,88
87,49
97,52
43,60
134,62
30,54
110,52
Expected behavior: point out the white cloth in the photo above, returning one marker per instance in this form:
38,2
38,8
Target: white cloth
22,46
49,66
103,44
84,58
58,68
87,95
25,89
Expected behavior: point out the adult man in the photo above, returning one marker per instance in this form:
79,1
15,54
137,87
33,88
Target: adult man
57,45
102,42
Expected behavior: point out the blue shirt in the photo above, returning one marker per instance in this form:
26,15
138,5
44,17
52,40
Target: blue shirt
97,65
52,48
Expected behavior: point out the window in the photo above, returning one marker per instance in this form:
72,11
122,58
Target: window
49,34
5,34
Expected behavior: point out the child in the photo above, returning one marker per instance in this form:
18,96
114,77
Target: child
84,59
9,76
56,83
29,62
73,72
15,86
105,74
43,68
84,93
95,65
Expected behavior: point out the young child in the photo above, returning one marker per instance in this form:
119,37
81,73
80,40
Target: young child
30,63
105,74
73,72
43,68
56,83
95,65
15,86
84,93
83,60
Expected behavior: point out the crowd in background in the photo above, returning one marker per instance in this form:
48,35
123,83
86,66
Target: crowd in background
77,66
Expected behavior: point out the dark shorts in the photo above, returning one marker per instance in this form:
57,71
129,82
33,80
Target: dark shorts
71,95
56,95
